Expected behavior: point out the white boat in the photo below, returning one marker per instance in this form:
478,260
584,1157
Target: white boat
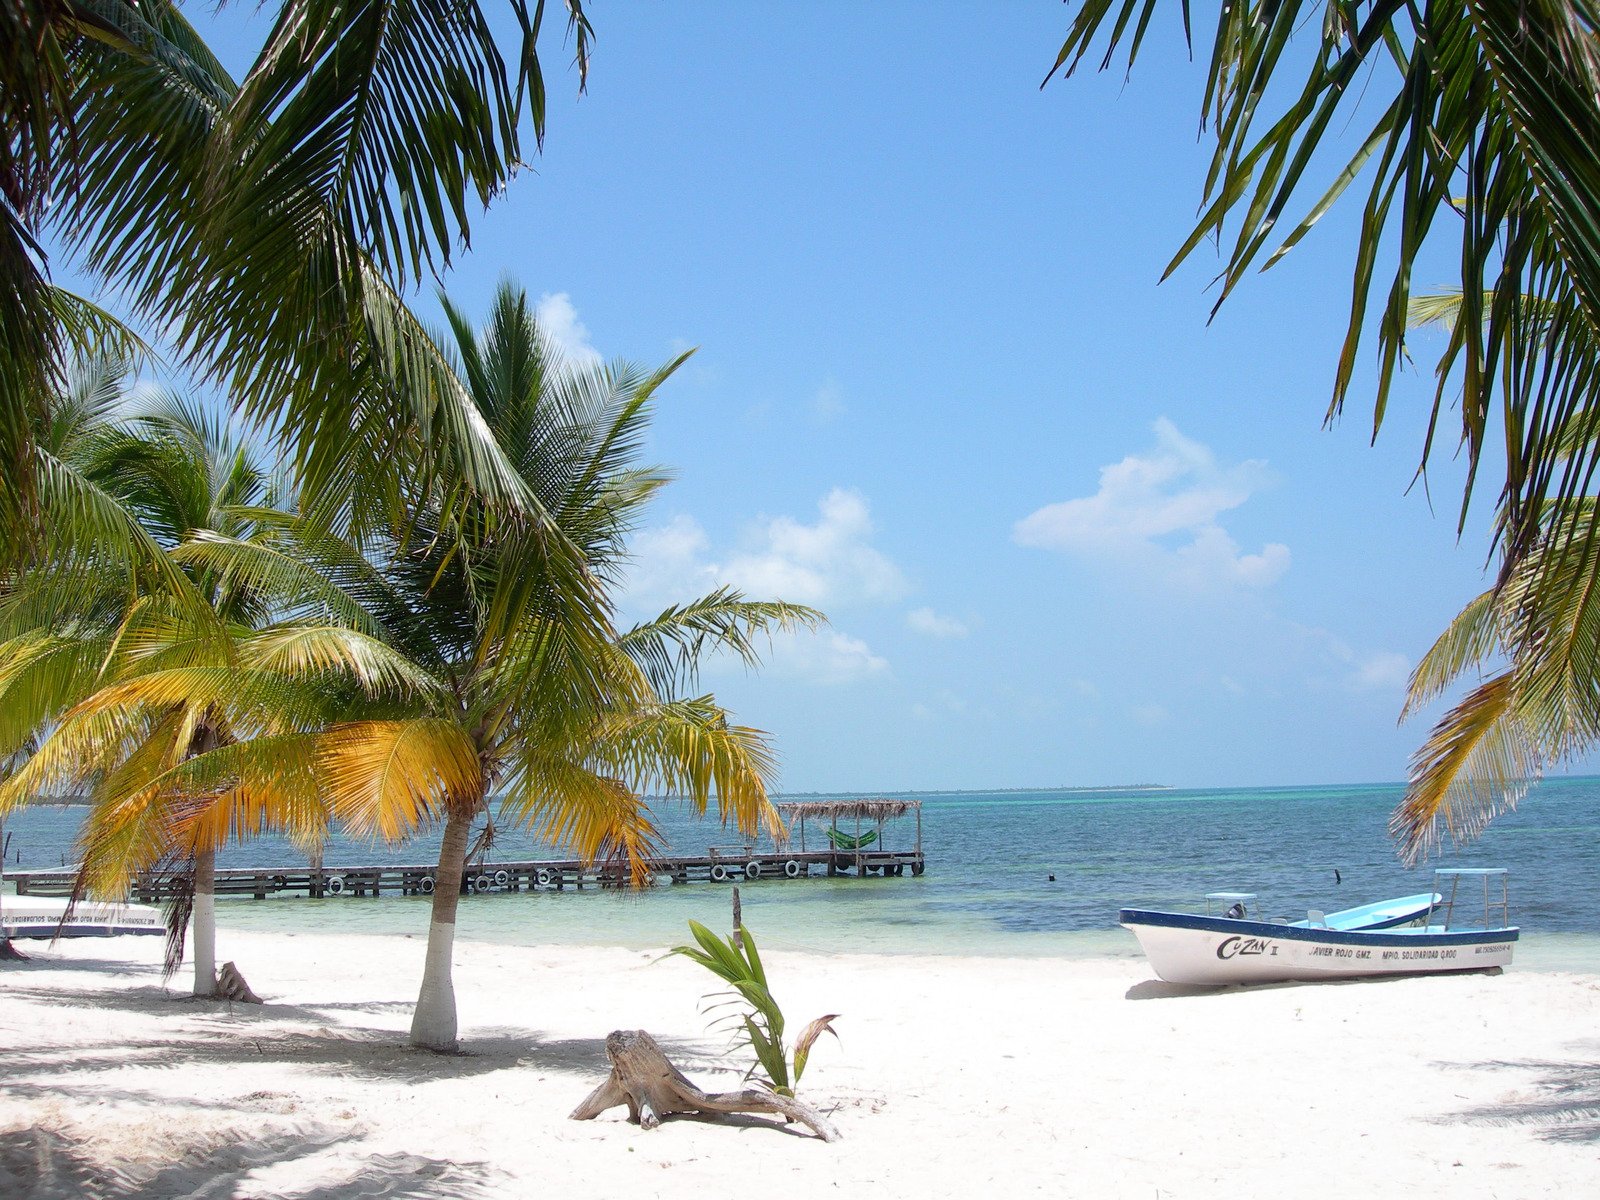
1412,935
43,917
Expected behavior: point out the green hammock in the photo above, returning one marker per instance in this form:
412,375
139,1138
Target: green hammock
848,841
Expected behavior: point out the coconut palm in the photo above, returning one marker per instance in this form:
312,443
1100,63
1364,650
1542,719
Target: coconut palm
1528,649
266,223
487,667
1486,119
1486,114
86,617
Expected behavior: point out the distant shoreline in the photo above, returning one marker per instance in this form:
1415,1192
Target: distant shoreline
1063,790
1006,791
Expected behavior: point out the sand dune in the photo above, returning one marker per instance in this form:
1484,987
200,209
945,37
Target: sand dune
955,1076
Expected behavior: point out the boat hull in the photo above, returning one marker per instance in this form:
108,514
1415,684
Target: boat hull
1183,948
41,917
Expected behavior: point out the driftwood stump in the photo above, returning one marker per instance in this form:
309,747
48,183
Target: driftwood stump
643,1078
231,986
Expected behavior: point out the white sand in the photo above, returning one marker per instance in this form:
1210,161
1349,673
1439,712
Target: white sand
955,1076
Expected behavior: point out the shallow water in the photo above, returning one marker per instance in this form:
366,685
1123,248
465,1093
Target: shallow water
986,890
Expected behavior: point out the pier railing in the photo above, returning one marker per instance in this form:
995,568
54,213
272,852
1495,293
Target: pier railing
722,864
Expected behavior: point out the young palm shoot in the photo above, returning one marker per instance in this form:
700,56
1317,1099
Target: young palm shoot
737,961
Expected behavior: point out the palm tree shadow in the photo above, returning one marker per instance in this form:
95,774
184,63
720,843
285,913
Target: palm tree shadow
1564,1108
37,961
526,1048
250,1033
47,1164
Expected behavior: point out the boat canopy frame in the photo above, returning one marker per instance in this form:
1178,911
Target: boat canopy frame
1447,905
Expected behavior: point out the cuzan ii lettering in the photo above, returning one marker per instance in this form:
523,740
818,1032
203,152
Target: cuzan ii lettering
1241,945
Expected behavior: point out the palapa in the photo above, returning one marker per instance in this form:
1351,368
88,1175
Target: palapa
865,808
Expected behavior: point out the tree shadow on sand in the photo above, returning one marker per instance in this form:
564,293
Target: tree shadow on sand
219,1033
47,1164
1564,1108
37,961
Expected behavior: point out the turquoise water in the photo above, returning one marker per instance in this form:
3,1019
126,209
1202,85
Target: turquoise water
987,887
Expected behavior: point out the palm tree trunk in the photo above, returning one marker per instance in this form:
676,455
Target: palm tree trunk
433,1024
203,938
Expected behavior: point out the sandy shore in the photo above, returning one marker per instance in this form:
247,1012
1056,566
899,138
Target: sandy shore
955,1076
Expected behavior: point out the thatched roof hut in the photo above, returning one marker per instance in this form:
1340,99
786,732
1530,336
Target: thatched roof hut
865,808
859,811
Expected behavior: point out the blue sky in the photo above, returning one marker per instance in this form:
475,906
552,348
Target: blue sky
1067,533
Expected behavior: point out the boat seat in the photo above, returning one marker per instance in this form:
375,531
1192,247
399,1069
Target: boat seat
1316,918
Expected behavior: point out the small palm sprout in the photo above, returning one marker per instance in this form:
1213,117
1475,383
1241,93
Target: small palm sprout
736,960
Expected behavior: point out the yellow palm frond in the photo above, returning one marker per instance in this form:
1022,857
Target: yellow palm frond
150,809
1479,761
575,806
250,699
76,751
122,836
688,748
1469,639
129,825
683,748
160,631
388,779
40,675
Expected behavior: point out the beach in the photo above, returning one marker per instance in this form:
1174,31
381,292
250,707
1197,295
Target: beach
954,1075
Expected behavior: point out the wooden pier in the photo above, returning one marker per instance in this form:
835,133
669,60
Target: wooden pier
866,856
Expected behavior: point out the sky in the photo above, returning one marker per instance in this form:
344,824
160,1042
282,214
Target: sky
1068,531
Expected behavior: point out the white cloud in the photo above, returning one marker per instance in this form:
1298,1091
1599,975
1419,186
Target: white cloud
942,703
1367,671
1163,507
828,403
829,562
669,564
1149,715
1383,671
926,621
827,657
826,563
559,320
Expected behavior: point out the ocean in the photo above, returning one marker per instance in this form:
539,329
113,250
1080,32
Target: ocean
987,889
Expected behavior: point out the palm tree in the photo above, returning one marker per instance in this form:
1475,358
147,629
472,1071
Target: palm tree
1531,642
84,618
267,223
1487,115
478,662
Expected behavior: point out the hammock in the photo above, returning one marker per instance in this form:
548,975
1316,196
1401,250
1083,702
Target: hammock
850,841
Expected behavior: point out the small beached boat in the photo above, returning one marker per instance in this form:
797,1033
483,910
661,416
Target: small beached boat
41,917
1434,931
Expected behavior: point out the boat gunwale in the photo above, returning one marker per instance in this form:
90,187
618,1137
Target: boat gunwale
1154,918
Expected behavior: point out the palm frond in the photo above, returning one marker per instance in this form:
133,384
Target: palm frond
671,647
1478,761
1472,637
573,804
688,748
388,779
1485,120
